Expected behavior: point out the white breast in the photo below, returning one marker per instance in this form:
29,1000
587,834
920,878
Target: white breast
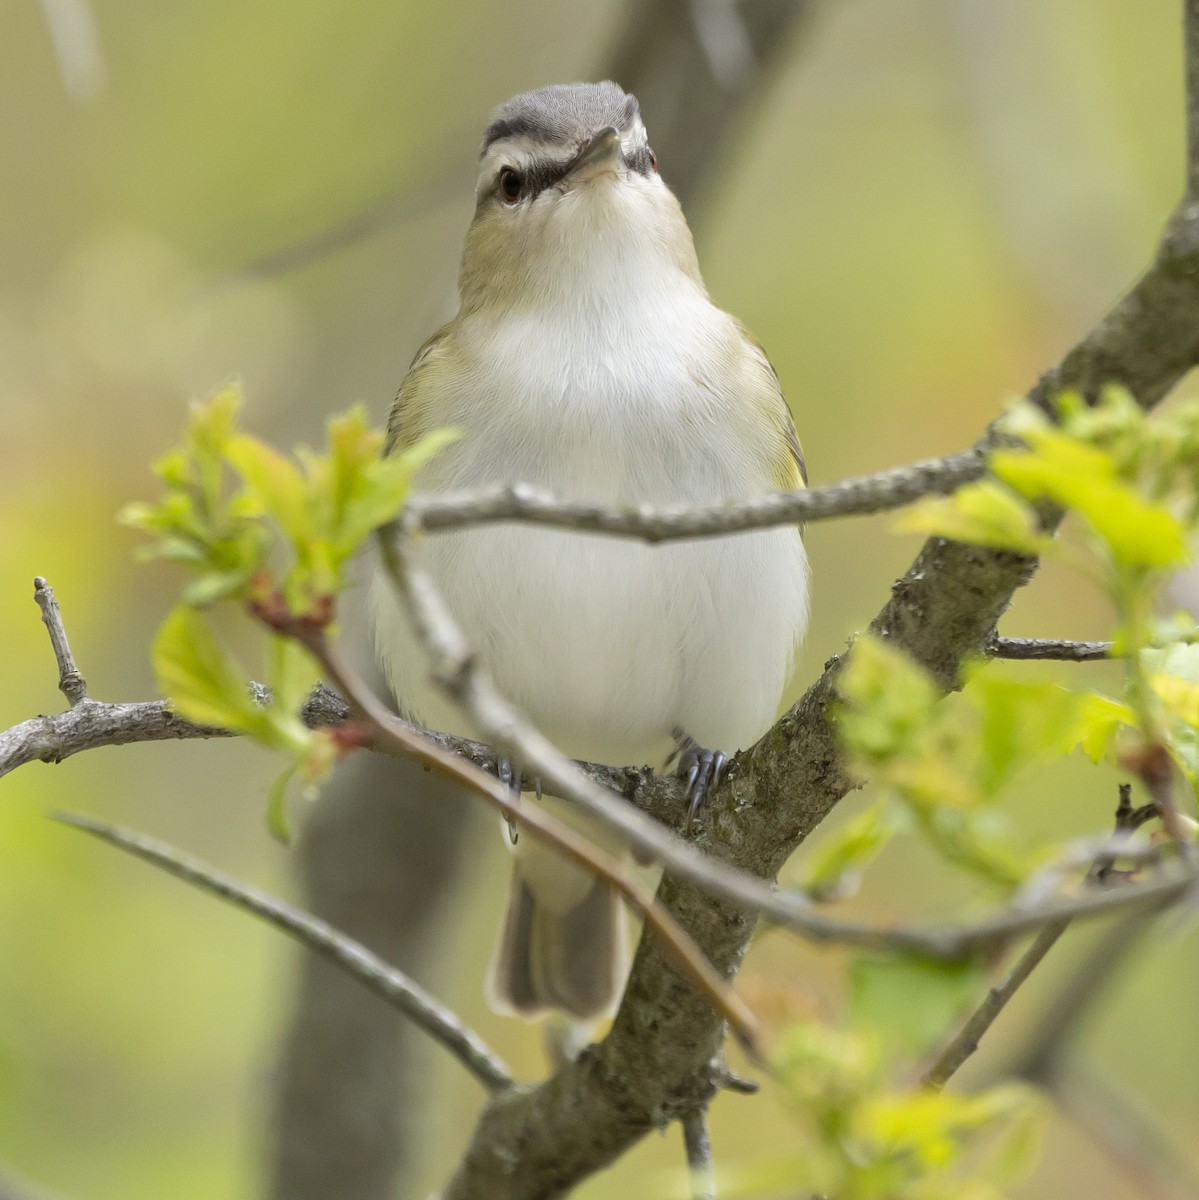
609,644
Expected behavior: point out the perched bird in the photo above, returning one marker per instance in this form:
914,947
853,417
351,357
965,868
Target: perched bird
586,358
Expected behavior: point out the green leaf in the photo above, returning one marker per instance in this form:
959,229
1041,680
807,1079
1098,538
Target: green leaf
1021,721
275,483
888,700
291,673
980,514
1180,660
976,840
911,1003
214,586
212,423
1099,720
276,809
1083,479
826,1067
200,679
180,550
210,427
1184,748
930,1127
384,488
848,849
1179,696
353,447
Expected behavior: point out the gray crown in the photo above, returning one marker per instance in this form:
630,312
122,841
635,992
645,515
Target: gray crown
564,114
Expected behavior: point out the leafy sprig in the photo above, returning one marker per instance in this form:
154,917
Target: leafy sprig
273,535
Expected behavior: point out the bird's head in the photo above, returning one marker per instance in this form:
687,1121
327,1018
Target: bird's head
568,200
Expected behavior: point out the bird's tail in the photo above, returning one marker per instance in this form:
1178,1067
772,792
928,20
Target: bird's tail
563,947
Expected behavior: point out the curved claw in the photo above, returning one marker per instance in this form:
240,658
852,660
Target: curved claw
510,778
701,769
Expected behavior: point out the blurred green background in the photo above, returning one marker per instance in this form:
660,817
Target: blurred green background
933,199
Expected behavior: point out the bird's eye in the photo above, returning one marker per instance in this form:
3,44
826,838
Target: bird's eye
511,183
653,159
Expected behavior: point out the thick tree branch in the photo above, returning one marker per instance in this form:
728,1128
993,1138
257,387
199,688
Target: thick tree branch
397,989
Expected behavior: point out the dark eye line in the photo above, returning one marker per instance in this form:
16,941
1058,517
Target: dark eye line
540,176
533,181
644,161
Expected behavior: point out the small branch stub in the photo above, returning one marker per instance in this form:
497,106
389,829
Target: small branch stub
699,1155
1048,649
70,682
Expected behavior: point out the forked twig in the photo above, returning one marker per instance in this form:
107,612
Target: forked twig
396,988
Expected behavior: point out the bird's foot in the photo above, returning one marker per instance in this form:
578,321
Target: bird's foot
509,773
510,777
701,772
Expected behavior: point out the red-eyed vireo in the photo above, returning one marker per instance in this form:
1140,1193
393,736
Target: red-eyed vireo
587,358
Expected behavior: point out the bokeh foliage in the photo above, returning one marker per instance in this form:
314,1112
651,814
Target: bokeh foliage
932,203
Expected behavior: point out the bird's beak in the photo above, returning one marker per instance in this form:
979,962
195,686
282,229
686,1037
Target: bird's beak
602,153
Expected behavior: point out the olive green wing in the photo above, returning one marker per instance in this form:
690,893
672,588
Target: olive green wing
788,469
411,414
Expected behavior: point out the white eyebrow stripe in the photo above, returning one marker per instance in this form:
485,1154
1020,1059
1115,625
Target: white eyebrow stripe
522,154
636,138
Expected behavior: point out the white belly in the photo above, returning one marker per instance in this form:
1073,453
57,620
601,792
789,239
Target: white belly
606,643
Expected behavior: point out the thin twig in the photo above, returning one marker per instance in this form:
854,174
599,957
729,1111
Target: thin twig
699,1154
1118,1129
77,47
721,33
1033,649
88,726
859,495
1128,821
393,986
70,682
1038,1060
729,1081
964,1043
